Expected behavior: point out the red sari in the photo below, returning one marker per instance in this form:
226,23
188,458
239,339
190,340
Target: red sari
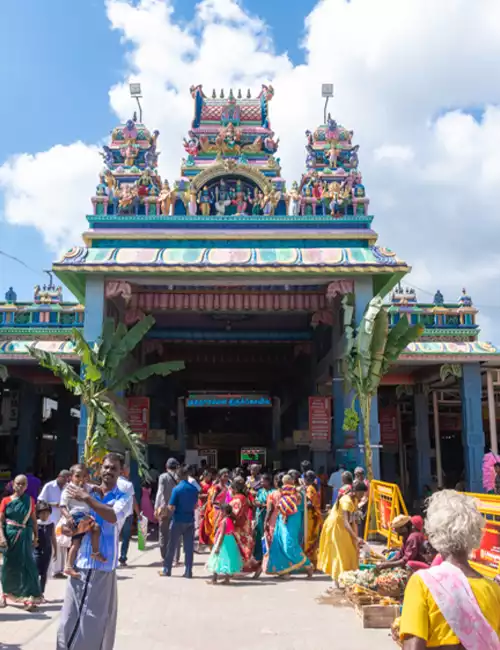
216,497
204,539
243,533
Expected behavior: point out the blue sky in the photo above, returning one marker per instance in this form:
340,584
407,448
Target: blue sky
58,60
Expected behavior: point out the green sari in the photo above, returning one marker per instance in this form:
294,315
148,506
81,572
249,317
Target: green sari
260,518
20,580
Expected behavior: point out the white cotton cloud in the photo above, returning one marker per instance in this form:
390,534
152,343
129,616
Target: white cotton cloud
49,190
407,74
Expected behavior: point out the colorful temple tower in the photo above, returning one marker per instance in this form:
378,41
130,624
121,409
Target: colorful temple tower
245,279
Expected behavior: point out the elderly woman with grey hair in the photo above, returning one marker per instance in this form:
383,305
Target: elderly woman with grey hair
450,605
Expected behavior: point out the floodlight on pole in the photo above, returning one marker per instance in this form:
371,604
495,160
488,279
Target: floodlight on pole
135,91
326,92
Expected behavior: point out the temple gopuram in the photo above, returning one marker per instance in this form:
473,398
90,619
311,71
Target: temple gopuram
244,275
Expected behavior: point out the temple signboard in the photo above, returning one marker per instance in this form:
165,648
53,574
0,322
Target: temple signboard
231,400
138,415
320,419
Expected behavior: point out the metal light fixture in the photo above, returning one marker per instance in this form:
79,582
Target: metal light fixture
326,92
135,91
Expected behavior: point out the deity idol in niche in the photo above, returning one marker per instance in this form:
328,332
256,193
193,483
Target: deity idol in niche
308,202
258,197
165,198
293,200
190,199
222,199
205,201
101,189
231,208
241,203
267,204
325,198
144,183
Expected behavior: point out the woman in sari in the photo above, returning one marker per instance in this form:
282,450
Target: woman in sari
261,501
205,485
18,536
339,544
285,553
451,605
243,532
216,498
314,517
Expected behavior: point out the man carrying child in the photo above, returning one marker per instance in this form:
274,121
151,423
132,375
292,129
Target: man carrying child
88,616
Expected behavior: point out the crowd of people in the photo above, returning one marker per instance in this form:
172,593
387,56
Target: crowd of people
248,522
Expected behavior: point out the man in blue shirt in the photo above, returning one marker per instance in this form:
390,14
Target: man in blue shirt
182,504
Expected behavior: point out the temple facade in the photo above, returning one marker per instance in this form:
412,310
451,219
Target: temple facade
245,280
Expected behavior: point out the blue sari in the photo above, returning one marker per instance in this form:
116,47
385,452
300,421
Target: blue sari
286,554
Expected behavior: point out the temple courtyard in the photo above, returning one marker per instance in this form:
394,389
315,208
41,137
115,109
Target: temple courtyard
179,614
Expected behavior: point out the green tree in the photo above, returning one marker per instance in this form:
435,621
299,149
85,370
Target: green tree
103,376
370,350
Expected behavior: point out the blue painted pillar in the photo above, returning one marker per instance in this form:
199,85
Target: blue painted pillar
30,420
422,440
363,293
472,425
92,330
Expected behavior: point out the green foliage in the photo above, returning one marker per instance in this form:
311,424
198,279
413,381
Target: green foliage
102,376
369,353
351,420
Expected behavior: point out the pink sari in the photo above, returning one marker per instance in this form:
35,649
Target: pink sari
454,596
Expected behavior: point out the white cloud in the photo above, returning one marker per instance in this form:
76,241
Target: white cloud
50,190
405,73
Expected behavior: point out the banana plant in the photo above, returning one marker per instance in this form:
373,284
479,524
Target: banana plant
102,377
4,373
369,352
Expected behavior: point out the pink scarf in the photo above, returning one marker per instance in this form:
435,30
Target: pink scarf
454,596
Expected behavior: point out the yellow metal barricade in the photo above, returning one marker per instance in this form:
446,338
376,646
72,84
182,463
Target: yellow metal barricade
486,558
384,504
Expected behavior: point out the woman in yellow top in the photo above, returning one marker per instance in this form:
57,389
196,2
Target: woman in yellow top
451,606
339,544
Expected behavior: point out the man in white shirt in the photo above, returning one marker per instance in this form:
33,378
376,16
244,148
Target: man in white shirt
126,486
51,493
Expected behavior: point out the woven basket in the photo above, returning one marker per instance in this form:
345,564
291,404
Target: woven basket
391,591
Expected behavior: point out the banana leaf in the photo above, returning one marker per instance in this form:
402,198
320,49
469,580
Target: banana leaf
70,378
129,341
4,373
164,369
364,336
378,345
396,344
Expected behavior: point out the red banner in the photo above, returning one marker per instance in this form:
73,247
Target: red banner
387,417
320,418
138,415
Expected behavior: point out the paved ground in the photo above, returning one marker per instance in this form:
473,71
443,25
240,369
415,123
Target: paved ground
157,613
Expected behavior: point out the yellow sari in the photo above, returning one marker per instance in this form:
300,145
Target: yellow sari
337,549
314,523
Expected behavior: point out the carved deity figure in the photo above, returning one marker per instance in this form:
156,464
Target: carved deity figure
241,203
257,199
129,152
190,201
165,198
144,183
222,200
205,201
128,194
293,200
308,202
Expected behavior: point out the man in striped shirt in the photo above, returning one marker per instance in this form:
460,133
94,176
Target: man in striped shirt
89,613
